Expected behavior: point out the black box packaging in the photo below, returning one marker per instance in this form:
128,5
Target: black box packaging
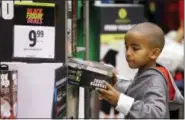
94,73
74,71
60,93
88,74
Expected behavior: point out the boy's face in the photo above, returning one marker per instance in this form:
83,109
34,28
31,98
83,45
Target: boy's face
137,50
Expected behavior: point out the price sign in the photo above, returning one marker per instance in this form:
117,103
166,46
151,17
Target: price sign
34,31
33,41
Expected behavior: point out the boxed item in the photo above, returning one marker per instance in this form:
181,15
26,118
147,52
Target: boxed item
88,73
60,94
74,71
8,93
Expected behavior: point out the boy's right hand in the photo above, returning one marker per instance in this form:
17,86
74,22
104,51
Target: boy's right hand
109,94
114,80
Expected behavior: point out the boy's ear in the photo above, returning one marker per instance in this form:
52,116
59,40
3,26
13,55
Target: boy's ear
155,53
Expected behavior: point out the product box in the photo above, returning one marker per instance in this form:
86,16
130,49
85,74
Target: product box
60,94
88,74
74,71
8,94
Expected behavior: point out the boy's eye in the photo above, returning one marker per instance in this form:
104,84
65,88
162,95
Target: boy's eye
126,47
136,48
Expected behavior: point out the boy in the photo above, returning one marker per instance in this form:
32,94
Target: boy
147,96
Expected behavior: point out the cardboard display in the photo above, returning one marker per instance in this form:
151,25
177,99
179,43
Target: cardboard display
36,86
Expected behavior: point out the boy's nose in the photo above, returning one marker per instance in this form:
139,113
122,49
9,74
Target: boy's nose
128,52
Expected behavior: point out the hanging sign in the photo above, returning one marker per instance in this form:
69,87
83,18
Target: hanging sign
34,30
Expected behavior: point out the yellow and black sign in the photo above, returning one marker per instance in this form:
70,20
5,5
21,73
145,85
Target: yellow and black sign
122,13
111,38
33,13
122,17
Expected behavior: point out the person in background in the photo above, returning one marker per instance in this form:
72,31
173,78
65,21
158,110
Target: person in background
180,31
109,58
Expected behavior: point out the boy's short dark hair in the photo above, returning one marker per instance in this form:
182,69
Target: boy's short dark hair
154,33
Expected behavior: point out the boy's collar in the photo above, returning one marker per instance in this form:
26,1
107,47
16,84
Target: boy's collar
157,65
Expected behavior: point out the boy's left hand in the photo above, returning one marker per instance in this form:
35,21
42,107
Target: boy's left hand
109,94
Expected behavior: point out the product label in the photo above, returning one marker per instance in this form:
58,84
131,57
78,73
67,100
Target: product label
8,94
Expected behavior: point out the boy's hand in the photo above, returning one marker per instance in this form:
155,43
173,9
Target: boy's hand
114,79
110,94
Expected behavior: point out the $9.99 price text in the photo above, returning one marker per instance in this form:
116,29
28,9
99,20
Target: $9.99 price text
34,35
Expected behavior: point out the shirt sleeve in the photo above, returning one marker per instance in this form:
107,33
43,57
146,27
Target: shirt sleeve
122,84
124,107
153,105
